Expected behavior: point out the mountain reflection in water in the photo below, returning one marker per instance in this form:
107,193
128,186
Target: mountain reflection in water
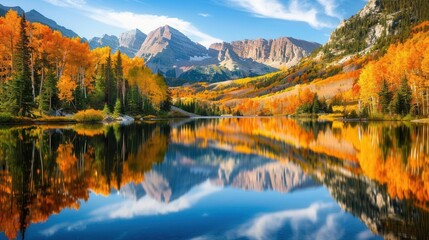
248,178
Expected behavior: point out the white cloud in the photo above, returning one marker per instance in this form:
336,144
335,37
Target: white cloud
330,7
130,20
204,14
296,11
67,3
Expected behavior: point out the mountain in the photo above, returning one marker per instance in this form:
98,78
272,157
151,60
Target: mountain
128,42
222,63
35,16
170,52
277,53
186,167
131,41
166,47
105,41
5,9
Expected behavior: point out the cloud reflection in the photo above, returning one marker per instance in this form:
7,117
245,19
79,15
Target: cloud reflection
143,207
148,206
264,226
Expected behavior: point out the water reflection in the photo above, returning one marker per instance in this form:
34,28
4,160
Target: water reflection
45,169
376,172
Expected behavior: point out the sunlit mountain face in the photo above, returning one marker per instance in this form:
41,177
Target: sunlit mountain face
230,178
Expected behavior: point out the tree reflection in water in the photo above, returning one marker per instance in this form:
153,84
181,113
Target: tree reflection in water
46,169
378,172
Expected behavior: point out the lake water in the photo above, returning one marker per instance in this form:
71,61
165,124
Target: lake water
248,178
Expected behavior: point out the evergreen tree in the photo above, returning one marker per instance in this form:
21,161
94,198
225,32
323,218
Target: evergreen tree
385,97
120,80
316,104
99,96
106,110
117,110
134,100
166,104
402,100
20,98
110,83
48,90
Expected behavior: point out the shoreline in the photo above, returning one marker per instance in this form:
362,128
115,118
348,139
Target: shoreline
66,120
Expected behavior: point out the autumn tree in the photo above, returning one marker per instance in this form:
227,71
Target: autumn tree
39,67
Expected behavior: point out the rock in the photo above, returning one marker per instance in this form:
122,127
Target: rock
125,120
108,119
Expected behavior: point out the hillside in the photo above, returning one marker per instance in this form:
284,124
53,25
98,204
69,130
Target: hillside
332,72
379,24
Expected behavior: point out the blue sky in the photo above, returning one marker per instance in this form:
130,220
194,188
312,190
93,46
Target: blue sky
204,21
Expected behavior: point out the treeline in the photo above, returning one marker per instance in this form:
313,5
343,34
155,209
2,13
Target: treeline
304,102
41,71
397,83
199,108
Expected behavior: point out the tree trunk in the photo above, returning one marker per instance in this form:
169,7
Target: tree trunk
123,93
41,83
33,87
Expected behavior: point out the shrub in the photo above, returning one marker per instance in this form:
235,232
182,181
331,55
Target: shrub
54,119
89,115
5,117
353,115
409,117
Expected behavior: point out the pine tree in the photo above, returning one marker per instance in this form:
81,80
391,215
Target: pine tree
120,80
20,86
402,100
166,104
106,110
316,104
117,110
385,97
110,82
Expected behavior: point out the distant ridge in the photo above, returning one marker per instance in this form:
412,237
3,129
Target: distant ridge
35,16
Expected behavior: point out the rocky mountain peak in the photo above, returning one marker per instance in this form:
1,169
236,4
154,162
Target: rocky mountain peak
373,6
167,43
132,39
271,52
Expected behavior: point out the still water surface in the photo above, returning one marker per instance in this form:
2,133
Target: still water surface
249,178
